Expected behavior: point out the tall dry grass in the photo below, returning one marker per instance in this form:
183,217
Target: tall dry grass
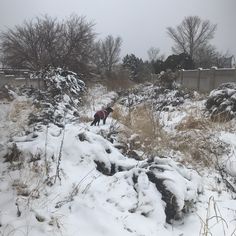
143,121
194,140
118,84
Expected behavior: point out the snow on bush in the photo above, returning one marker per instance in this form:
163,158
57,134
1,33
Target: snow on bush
6,93
60,82
221,103
59,98
160,98
166,80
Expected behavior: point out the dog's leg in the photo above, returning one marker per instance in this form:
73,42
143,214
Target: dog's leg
96,119
104,121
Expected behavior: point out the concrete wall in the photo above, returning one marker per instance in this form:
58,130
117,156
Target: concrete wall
18,78
207,79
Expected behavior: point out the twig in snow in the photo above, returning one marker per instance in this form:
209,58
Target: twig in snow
45,155
74,192
59,158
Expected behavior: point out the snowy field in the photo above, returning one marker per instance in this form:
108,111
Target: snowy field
71,180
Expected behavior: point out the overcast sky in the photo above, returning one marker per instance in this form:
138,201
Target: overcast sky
140,23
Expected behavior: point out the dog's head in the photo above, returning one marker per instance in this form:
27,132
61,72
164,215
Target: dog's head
109,109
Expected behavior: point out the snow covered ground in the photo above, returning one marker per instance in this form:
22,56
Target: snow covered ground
72,181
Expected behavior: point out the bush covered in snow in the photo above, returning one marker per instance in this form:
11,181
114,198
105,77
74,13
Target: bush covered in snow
60,82
221,103
160,98
6,93
61,96
166,80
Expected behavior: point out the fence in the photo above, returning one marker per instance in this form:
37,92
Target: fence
18,77
205,80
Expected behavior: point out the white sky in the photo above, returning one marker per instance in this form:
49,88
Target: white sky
140,23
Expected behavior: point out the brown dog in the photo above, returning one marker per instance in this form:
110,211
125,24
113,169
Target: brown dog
102,114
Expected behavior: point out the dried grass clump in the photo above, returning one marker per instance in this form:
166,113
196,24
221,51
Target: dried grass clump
191,122
213,219
118,84
85,119
198,147
117,81
18,109
197,141
143,121
122,116
222,117
118,114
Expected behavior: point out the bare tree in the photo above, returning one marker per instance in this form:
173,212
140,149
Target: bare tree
208,56
47,41
154,54
191,35
2,60
108,52
78,40
205,56
224,60
32,45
